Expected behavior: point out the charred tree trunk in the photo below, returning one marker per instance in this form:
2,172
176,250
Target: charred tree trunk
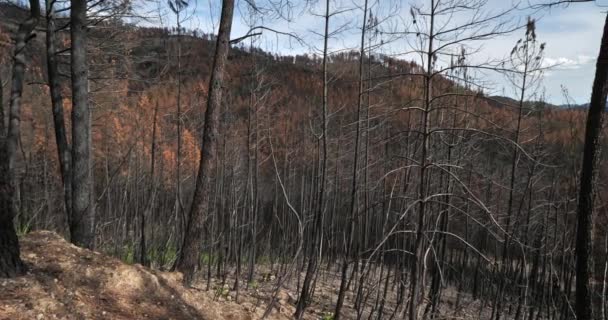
591,153
2,117
151,194
82,224
417,274
317,230
10,262
191,248
63,149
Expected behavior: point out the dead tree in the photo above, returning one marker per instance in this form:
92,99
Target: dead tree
526,61
587,188
10,262
353,196
82,224
311,270
187,261
63,148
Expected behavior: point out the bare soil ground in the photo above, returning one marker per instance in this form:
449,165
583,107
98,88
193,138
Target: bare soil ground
67,282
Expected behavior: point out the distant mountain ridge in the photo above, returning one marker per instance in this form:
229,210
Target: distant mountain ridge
575,106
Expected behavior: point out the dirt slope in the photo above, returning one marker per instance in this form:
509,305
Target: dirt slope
67,282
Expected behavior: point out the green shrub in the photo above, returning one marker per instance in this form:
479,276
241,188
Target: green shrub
128,253
327,316
207,258
222,291
23,229
169,255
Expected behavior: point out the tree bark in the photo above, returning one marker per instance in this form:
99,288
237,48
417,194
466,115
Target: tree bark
82,224
188,258
10,261
63,148
417,275
591,153
2,117
151,200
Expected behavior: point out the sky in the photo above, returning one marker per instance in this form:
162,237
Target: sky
572,34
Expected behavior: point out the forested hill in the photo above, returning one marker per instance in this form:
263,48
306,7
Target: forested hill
136,69
137,76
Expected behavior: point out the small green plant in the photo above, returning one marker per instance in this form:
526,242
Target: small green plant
23,229
152,255
128,254
254,285
207,258
327,316
222,291
169,255
162,256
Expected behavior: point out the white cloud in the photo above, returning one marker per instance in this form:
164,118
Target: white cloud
565,63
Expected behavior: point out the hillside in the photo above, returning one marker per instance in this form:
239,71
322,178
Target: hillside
362,185
136,71
70,283
67,282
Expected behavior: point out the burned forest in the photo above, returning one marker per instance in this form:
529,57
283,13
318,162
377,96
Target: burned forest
287,159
